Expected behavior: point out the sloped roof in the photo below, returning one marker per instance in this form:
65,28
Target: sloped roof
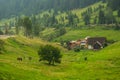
92,41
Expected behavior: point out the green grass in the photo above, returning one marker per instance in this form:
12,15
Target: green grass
75,34
101,65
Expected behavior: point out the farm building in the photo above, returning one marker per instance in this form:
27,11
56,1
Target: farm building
89,43
95,42
73,44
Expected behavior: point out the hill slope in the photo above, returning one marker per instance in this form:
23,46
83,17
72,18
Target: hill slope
101,65
97,31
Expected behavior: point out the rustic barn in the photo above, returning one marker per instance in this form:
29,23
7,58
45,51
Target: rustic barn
96,42
73,44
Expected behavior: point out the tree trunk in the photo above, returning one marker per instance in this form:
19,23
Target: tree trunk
49,62
53,62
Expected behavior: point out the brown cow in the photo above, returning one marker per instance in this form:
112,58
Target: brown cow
85,58
19,59
30,58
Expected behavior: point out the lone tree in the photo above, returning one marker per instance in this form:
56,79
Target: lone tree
50,54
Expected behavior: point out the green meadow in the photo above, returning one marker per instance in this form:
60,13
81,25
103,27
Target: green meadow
81,33
101,65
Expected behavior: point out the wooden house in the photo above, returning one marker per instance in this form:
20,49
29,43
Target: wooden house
95,42
73,44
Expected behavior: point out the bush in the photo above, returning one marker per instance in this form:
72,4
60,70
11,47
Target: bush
1,33
50,54
117,27
111,41
77,49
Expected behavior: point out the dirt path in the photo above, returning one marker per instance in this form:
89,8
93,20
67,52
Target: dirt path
6,36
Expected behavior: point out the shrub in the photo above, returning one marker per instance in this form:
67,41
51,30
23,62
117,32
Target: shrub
111,41
77,49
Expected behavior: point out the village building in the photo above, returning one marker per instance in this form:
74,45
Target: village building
95,42
73,44
89,43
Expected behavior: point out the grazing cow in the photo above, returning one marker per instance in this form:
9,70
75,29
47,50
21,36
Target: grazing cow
40,60
85,58
30,58
19,59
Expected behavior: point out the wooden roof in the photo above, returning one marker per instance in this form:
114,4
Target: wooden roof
93,40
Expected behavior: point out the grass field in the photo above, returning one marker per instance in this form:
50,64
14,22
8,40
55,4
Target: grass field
101,65
99,31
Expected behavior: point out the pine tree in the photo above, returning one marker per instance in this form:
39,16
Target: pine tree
119,12
18,24
86,19
101,17
109,18
27,23
114,4
36,30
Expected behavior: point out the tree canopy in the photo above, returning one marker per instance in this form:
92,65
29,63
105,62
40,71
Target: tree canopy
27,23
50,54
28,7
114,4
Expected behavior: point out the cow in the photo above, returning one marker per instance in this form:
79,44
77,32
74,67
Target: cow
19,59
30,58
85,58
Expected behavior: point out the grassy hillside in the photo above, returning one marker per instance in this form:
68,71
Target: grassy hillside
101,65
97,31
